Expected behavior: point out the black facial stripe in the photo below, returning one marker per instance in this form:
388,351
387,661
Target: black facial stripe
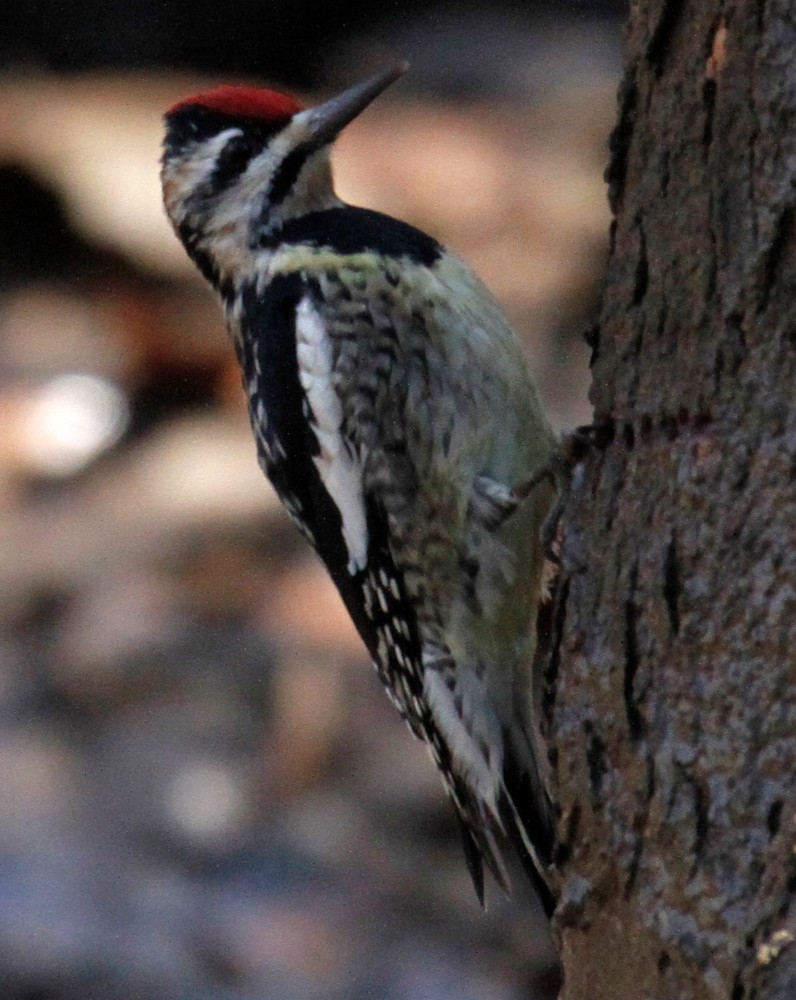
200,257
287,173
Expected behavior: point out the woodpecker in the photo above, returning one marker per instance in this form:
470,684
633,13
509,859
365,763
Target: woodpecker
394,414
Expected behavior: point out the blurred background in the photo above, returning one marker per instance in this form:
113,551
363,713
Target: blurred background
204,792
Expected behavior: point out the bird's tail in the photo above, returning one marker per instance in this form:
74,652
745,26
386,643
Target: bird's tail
523,822
526,814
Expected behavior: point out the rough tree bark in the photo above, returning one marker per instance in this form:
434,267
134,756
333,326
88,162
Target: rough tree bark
672,687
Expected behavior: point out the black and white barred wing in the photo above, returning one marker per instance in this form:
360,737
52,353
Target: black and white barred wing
317,470
396,415
342,403
415,387
372,581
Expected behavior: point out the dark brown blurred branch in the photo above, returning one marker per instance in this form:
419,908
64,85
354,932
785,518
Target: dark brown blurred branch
672,709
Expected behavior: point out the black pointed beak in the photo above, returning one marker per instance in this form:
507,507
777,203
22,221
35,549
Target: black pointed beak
325,122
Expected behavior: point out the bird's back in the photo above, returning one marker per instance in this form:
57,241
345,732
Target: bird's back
434,408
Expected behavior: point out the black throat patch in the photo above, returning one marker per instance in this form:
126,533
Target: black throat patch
350,230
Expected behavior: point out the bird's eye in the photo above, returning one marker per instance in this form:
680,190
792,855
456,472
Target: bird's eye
232,161
235,155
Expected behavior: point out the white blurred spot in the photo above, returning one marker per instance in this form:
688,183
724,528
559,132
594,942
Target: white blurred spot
71,420
206,800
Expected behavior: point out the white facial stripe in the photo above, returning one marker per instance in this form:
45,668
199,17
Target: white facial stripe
252,186
244,198
229,223
185,174
340,473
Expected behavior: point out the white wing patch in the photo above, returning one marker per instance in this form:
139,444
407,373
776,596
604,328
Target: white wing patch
339,470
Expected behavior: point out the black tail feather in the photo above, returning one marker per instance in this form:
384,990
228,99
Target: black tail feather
527,816
472,855
533,865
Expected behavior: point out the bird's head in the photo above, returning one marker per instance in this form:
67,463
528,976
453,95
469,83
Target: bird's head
238,162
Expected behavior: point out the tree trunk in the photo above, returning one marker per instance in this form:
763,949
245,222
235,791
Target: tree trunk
672,687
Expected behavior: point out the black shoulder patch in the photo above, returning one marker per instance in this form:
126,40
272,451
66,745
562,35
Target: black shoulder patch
352,230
